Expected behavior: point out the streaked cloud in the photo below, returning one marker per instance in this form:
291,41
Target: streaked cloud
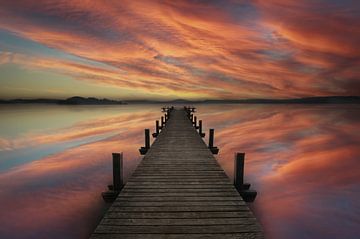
194,49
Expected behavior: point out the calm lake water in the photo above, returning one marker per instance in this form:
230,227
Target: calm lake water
304,161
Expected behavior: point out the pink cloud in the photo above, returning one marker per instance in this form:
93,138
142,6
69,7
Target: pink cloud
278,48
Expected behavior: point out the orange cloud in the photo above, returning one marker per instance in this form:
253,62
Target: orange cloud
236,49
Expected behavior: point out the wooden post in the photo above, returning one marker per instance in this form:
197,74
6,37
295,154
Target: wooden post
242,188
147,138
117,171
200,129
191,117
211,138
195,122
143,150
157,129
118,183
214,150
239,171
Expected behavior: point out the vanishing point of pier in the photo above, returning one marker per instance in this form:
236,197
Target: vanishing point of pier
178,190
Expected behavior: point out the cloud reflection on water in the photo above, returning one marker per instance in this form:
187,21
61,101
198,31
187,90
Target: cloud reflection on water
303,160
58,196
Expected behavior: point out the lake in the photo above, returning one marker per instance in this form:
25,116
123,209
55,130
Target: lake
304,161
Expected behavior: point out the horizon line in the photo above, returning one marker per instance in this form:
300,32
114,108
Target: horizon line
179,99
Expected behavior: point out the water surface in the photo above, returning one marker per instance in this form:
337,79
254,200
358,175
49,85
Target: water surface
302,159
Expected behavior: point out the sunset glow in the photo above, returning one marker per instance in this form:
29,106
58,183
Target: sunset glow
179,49
82,81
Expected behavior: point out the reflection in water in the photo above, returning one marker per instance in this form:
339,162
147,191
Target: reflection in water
303,161
59,195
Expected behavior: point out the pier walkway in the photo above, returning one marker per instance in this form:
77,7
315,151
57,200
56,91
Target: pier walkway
178,191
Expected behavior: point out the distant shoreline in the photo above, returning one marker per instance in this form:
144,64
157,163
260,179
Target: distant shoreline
76,100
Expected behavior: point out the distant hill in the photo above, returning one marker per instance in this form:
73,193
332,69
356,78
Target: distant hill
77,100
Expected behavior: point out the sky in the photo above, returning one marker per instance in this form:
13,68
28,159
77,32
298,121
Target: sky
179,49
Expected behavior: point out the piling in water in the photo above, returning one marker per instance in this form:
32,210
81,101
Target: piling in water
157,129
118,182
144,149
213,149
200,129
243,188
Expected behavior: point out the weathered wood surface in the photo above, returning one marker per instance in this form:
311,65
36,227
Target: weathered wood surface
178,191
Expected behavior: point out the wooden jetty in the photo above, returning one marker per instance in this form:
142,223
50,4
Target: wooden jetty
178,191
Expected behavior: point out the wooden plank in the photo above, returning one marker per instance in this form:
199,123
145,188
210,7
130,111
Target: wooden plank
181,176
188,215
163,203
176,194
251,235
177,190
179,173
180,198
176,180
172,168
119,208
178,221
239,228
175,186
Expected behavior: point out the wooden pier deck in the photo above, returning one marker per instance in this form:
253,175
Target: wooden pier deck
178,191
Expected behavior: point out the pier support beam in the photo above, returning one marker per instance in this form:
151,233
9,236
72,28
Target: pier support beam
241,187
143,150
200,129
214,150
118,183
157,129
